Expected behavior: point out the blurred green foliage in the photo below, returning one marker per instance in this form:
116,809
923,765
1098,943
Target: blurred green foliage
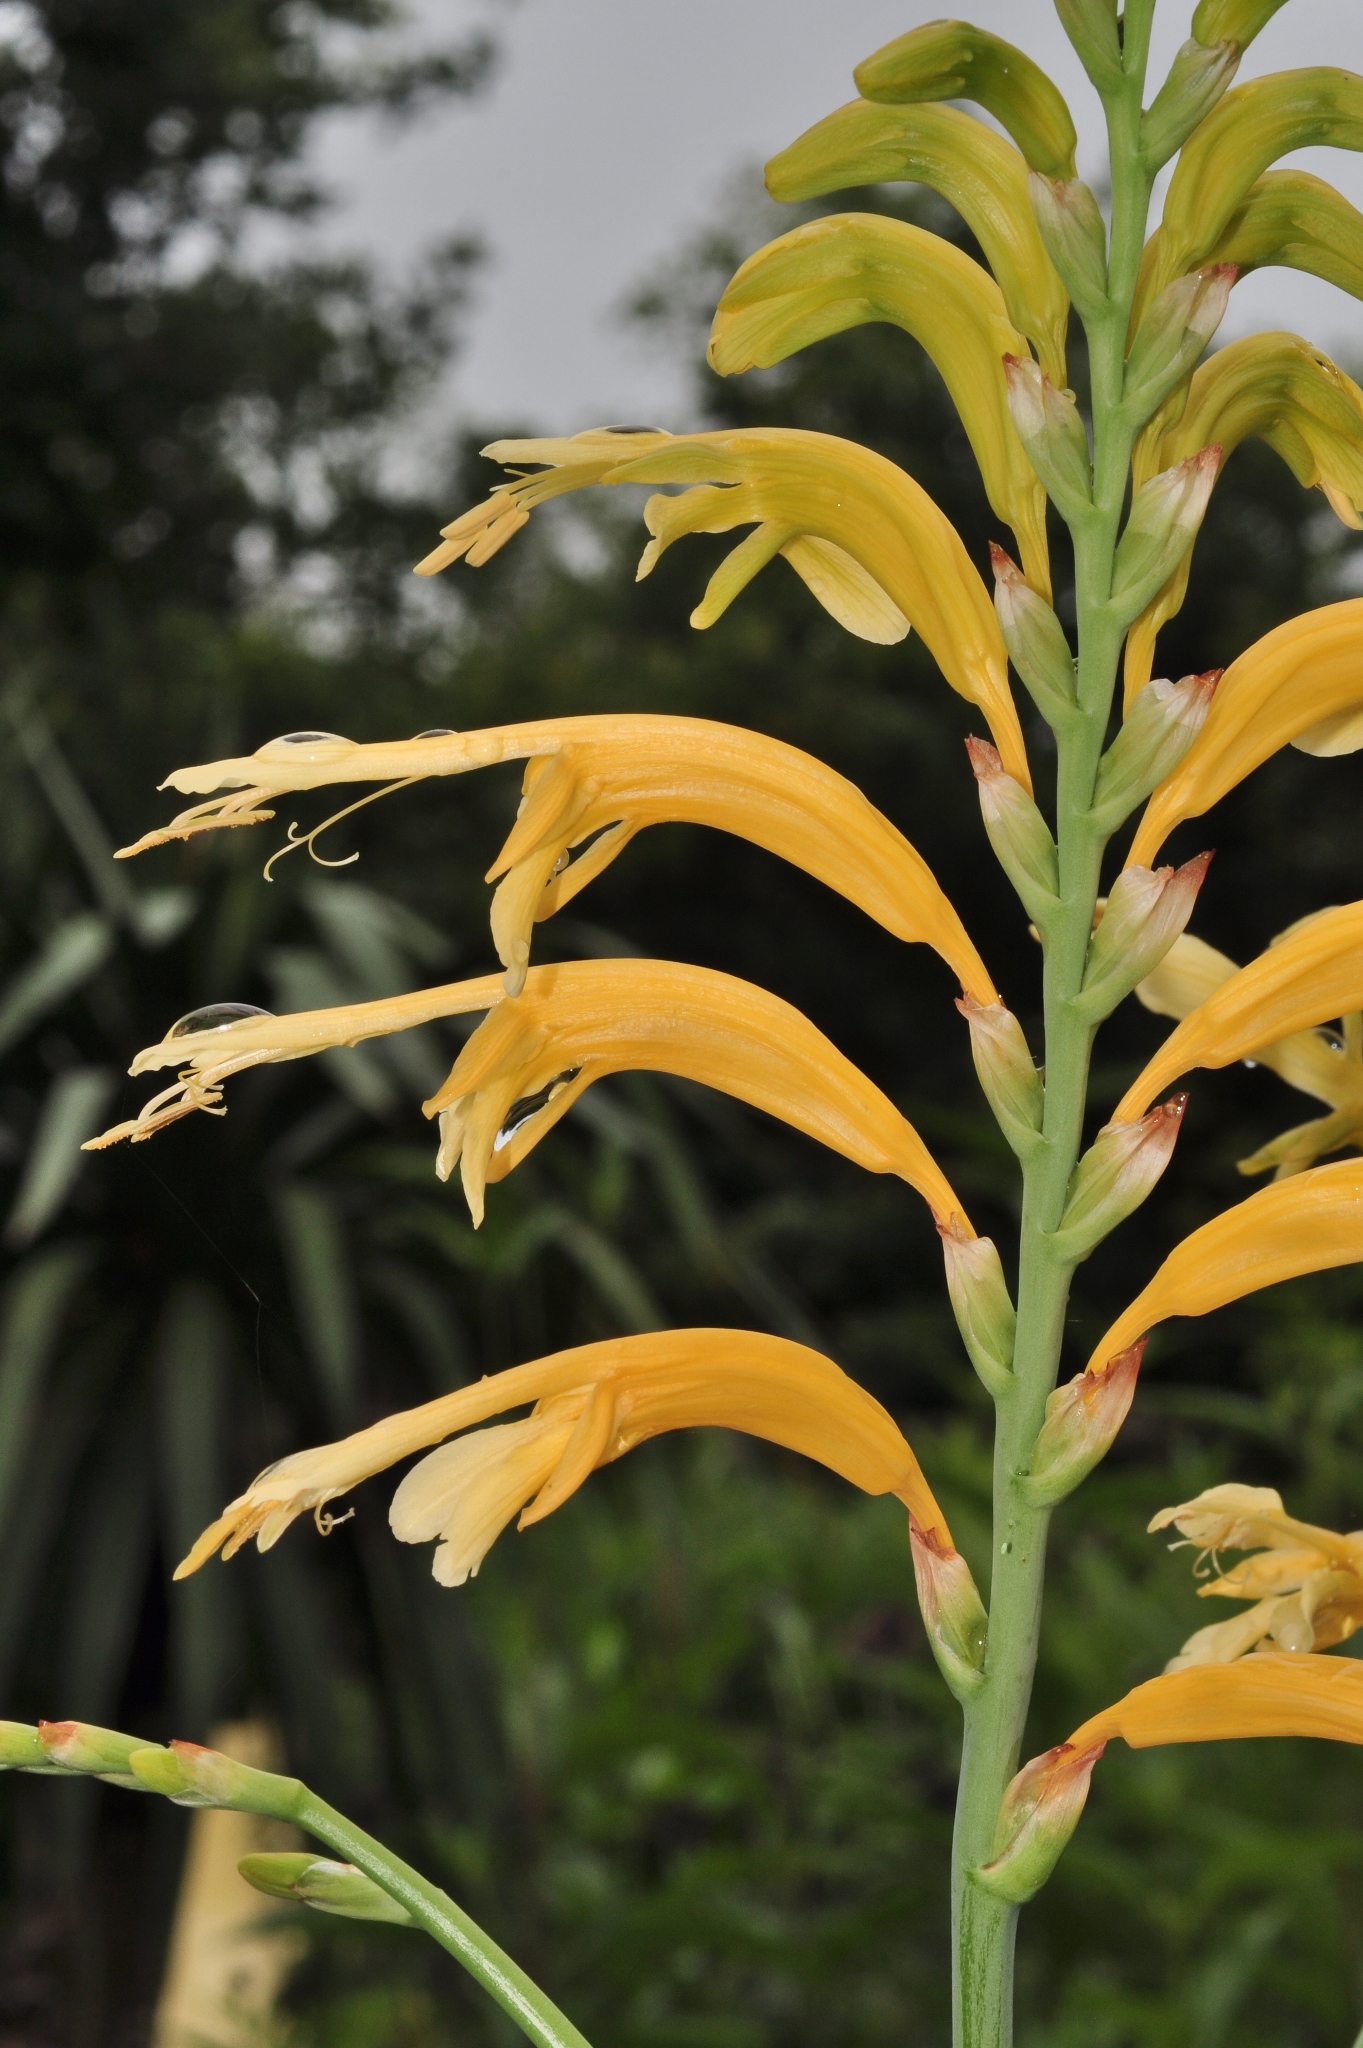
683,1750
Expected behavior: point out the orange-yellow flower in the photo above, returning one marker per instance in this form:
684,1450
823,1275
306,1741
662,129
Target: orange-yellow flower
591,1405
1306,1583
1311,974
1264,1695
602,780
532,1057
1302,1225
873,548
1319,1062
1302,684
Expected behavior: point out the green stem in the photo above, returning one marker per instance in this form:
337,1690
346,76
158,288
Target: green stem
538,2018
983,1926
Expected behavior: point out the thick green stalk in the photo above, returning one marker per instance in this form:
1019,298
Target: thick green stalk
983,1926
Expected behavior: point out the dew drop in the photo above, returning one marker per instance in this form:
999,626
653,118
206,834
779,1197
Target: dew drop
561,863
631,430
437,732
290,745
530,1105
214,1017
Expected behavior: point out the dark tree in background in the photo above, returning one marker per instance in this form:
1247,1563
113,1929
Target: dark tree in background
683,1750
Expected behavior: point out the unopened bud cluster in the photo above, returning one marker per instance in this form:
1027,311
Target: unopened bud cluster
1157,732
1018,833
1147,910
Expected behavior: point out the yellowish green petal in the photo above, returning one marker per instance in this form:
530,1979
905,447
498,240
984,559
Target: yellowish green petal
951,60
846,269
976,171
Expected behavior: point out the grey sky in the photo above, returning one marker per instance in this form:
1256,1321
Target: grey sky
614,128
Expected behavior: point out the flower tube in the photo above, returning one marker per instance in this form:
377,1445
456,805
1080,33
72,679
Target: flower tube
533,1056
953,60
1263,1695
849,268
1303,1225
591,1405
1301,684
1311,974
612,776
871,545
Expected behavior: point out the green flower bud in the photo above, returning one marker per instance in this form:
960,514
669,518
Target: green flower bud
21,1749
329,1887
1075,238
193,1776
1240,21
1007,1072
1091,26
982,1304
1018,833
1157,732
953,1613
1037,1815
1114,1177
1165,516
1082,1419
1145,913
1034,637
1053,434
1197,78
1172,335
78,1746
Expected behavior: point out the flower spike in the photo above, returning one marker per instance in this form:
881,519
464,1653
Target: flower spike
849,268
1308,976
613,776
531,1058
592,1405
1303,1225
1302,685
976,171
874,548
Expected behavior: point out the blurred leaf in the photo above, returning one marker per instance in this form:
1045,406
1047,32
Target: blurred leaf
68,957
72,1111
324,1297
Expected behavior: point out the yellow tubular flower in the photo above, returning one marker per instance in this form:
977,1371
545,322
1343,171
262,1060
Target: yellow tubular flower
1306,1584
1263,1695
212,1044
1236,21
614,775
1314,1061
532,1057
951,60
1248,130
850,268
1310,975
1291,220
592,1405
871,546
1302,1225
1282,390
975,170
1302,684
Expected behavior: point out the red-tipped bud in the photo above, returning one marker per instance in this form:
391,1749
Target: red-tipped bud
21,1749
1082,1419
1115,1175
1018,833
953,1613
1173,334
1165,516
1157,732
1034,637
1037,1815
1146,912
79,1746
1007,1072
982,1304
191,1775
1050,429
1075,238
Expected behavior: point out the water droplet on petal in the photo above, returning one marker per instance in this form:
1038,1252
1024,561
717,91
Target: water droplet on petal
214,1017
631,430
1251,1064
530,1105
306,746
438,732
